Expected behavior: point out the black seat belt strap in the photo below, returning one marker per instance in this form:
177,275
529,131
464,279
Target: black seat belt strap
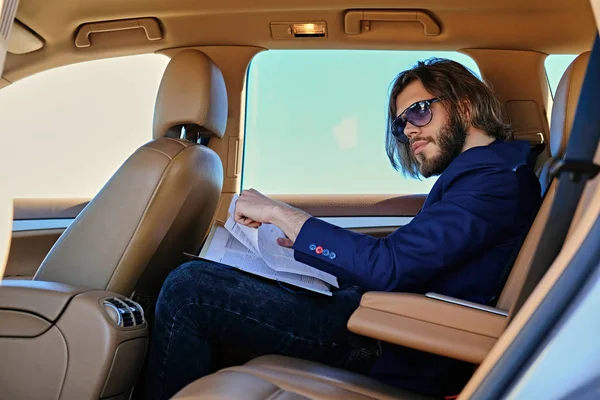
571,174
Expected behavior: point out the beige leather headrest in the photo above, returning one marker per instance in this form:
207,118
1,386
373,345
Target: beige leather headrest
565,104
192,91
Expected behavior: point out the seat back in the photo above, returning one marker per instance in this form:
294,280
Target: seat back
563,113
586,216
161,201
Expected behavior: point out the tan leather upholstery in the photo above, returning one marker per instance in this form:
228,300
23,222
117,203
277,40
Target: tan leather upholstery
563,113
166,192
427,324
277,377
45,299
27,252
40,208
340,205
157,206
59,342
192,91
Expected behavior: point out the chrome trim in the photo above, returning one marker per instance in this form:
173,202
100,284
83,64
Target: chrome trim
120,321
130,310
343,222
367,222
465,303
20,225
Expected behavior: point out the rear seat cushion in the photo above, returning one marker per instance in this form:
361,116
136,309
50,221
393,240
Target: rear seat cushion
285,378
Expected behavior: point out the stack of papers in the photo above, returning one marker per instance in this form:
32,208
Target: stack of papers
255,250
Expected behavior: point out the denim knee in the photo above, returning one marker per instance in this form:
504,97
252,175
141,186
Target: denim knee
174,289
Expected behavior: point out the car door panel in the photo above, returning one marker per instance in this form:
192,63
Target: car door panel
367,205
374,215
27,251
37,225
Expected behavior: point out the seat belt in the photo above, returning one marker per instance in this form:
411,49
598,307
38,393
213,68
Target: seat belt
572,174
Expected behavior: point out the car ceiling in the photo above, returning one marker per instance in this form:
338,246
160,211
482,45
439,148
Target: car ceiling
548,26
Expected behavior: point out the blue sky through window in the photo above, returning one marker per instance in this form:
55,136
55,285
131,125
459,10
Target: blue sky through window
315,121
555,65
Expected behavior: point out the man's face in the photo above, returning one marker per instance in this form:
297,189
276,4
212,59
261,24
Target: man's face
436,144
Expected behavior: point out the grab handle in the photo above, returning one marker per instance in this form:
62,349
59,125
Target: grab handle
355,20
149,25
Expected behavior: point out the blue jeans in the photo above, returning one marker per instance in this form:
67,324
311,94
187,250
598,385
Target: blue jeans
203,303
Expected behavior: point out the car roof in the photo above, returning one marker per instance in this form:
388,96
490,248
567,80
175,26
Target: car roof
547,26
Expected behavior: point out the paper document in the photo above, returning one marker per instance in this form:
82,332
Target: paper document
257,251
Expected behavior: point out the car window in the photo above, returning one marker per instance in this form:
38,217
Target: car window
556,65
315,121
65,131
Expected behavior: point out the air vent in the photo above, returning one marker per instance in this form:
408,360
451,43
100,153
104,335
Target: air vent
128,313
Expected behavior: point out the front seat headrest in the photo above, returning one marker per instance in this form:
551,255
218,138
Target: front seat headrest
565,104
192,92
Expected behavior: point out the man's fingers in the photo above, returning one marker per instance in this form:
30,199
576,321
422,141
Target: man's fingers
246,221
285,242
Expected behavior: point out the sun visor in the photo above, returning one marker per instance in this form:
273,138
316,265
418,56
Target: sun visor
22,40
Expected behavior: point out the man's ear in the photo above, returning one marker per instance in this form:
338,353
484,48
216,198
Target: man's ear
466,111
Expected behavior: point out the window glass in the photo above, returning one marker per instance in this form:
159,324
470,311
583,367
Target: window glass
65,131
315,121
556,65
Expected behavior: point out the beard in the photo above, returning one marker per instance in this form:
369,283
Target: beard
450,140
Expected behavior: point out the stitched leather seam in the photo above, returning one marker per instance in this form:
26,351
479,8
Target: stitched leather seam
343,385
158,151
433,323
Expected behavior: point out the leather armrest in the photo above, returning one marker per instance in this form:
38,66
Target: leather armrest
44,299
428,324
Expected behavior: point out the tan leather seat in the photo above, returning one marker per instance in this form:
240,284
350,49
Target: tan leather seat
161,201
277,377
409,320
563,113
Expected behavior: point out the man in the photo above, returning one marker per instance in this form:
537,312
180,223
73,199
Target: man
442,120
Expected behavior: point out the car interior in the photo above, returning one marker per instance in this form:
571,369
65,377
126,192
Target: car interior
83,274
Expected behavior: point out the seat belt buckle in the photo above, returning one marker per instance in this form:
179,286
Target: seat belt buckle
577,169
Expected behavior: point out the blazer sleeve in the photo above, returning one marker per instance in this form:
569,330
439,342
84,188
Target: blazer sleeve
475,210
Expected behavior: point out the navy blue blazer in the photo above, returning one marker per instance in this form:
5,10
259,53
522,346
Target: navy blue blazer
470,225
457,245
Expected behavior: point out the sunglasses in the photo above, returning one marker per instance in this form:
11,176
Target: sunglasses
418,114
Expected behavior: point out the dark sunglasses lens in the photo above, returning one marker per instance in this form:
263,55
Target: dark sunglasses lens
398,130
419,114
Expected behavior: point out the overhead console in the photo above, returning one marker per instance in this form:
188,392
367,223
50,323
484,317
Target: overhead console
63,342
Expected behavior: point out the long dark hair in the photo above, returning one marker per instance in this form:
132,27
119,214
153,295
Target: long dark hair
459,87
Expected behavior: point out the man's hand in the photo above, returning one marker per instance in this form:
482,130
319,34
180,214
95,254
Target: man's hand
254,209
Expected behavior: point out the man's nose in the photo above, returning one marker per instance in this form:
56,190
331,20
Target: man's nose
411,131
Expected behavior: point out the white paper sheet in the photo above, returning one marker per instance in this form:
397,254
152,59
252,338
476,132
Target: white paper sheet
264,243
226,249
282,259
